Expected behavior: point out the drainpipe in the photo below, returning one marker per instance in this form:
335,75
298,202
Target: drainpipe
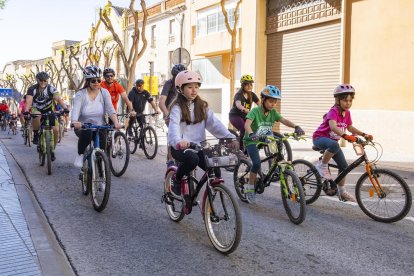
343,41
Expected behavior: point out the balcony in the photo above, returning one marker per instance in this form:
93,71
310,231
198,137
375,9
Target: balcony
215,43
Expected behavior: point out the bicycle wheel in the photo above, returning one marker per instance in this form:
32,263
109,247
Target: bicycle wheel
48,140
392,205
118,153
25,136
150,142
132,140
41,151
60,133
310,179
222,220
101,181
174,206
86,178
241,177
292,197
29,137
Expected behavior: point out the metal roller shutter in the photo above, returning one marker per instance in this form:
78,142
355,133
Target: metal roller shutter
305,64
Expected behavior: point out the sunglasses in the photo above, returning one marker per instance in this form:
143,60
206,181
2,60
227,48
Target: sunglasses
42,80
95,81
109,76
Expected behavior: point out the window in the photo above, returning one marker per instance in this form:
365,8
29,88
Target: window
171,36
212,23
153,44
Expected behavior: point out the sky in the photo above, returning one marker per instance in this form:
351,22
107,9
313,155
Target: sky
29,27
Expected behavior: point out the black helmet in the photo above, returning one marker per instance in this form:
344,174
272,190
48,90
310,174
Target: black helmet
139,82
177,69
91,72
108,71
42,76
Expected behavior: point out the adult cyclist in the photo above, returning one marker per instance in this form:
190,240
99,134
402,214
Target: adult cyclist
4,111
115,90
39,99
168,94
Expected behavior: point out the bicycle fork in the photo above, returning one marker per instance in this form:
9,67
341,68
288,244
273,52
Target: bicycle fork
376,186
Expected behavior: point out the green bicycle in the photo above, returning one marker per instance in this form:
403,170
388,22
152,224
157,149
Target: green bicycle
290,185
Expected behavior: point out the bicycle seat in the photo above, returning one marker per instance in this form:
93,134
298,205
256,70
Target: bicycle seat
315,148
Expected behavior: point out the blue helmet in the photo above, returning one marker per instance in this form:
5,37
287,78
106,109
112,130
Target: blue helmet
271,91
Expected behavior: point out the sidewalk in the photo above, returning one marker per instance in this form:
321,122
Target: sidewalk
28,245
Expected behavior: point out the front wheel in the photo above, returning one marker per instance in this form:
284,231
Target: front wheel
391,204
29,138
101,181
48,138
132,137
293,197
118,153
173,205
222,219
241,177
310,179
149,142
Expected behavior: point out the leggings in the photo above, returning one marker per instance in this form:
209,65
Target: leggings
238,122
189,161
86,136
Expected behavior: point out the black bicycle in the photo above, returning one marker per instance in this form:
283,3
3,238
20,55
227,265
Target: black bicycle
381,194
144,138
118,151
219,209
27,133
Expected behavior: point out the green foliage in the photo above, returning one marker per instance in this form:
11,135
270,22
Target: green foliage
2,4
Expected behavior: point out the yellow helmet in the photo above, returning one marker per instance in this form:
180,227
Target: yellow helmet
246,79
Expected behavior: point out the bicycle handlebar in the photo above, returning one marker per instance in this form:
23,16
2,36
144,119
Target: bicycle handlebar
92,126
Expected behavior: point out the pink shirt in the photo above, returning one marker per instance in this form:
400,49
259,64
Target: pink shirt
22,106
341,121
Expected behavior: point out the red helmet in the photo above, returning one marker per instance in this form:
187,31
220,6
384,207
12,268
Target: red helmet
185,77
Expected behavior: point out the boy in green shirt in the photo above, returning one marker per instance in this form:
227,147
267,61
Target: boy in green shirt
259,122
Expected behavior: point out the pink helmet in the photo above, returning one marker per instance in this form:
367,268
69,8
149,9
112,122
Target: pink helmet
343,89
185,77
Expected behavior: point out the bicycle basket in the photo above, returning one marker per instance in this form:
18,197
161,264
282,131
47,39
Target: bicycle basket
218,155
273,147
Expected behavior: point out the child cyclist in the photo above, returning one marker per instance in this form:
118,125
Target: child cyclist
189,119
333,127
259,121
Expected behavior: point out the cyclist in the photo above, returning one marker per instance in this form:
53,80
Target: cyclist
13,122
168,94
4,111
22,106
259,122
91,103
189,119
139,98
39,100
115,89
242,104
333,127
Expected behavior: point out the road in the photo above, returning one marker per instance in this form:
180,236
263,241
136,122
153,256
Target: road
134,235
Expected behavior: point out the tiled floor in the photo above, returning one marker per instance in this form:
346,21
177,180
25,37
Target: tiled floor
17,254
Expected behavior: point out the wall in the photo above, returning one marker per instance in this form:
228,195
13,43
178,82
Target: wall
379,54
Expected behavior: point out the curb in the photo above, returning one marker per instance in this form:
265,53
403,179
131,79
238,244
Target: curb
51,257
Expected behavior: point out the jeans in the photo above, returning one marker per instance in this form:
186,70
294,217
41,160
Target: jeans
332,146
253,152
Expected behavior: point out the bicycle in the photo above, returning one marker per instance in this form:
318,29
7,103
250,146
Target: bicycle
380,193
145,137
290,186
13,127
219,209
95,173
27,133
3,121
118,151
62,127
45,146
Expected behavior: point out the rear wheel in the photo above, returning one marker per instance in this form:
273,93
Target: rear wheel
392,203
132,140
222,220
293,197
310,179
150,142
101,181
173,205
118,154
241,177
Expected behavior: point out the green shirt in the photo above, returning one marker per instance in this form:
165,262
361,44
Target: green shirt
261,124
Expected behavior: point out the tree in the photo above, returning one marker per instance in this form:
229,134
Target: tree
2,4
134,53
233,33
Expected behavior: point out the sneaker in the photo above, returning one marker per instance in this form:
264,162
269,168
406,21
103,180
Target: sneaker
345,196
52,156
176,187
170,163
78,161
250,193
35,138
323,171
